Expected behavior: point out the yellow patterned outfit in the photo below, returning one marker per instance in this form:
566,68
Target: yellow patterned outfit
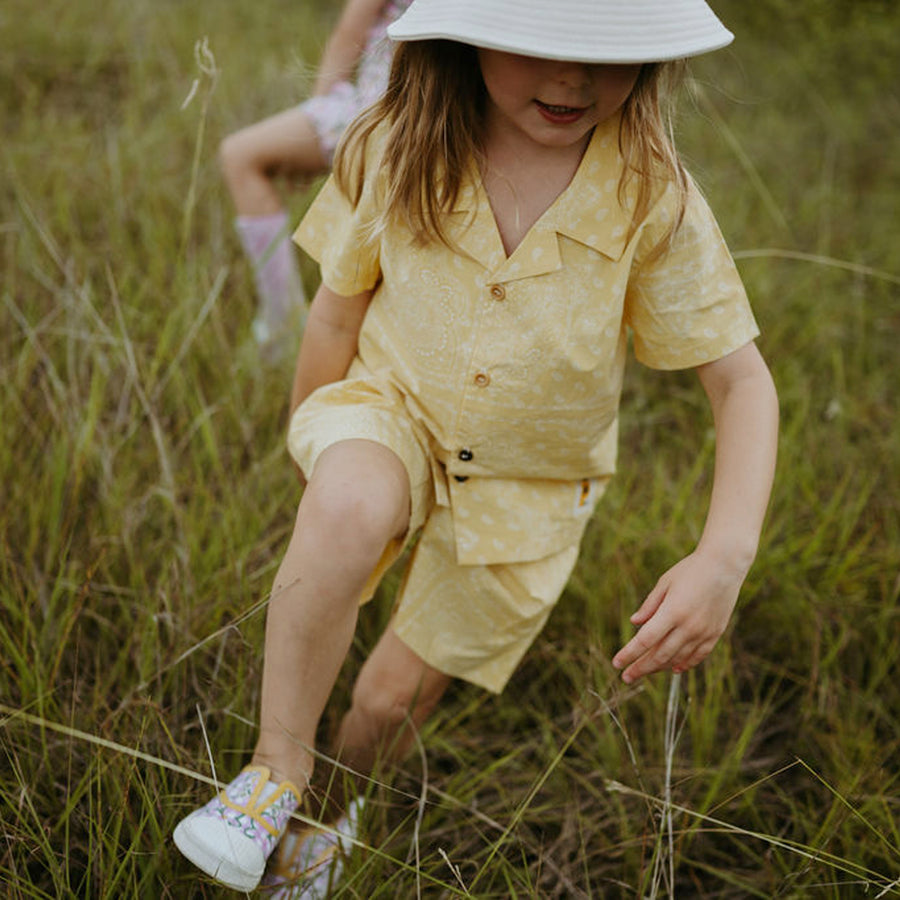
497,381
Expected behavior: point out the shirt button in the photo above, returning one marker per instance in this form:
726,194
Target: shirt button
482,379
498,292
465,455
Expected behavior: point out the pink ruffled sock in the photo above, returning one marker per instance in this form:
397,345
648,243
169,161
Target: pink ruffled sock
282,301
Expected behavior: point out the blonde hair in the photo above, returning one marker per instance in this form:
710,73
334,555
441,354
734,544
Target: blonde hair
647,145
434,109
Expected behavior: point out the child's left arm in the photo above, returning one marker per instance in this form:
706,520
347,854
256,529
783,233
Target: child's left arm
346,43
686,612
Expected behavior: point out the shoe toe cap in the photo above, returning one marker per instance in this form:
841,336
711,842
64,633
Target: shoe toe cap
221,850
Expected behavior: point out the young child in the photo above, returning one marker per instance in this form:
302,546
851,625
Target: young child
301,141
495,226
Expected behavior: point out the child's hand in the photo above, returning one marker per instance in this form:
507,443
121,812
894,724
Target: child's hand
682,617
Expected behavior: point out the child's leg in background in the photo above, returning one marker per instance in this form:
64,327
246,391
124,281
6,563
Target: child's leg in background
286,142
356,502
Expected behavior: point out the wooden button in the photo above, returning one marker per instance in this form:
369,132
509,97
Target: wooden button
498,292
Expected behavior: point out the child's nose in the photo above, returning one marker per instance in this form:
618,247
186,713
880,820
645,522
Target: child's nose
573,74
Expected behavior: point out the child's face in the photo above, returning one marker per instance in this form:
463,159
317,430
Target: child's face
554,104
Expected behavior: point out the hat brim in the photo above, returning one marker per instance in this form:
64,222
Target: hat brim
588,31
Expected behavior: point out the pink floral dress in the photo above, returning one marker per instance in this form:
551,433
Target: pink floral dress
331,113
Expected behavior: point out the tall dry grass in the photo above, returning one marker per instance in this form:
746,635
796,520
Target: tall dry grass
146,496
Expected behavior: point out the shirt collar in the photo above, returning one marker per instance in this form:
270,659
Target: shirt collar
588,211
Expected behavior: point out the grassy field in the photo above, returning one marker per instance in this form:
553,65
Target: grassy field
146,495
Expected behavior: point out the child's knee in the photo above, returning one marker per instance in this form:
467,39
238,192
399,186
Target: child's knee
387,702
233,157
346,495
350,522
381,708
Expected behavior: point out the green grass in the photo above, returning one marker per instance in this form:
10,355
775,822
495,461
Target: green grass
146,495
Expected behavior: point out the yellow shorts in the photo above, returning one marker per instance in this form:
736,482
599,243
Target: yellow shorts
471,622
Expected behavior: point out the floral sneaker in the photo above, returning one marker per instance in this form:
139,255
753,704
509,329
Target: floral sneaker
233,835
309,863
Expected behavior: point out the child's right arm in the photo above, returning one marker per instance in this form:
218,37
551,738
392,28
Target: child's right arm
346,43
687,611
329,341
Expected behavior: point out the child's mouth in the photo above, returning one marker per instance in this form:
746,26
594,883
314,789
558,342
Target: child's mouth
560,115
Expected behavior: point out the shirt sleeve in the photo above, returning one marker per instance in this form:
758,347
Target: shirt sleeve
688,305
340,236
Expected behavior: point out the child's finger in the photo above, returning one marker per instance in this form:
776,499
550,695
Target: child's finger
663,657
687,658
651,604
648,651
698,654
634,649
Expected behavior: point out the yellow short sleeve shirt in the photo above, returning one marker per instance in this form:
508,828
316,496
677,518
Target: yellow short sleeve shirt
514,364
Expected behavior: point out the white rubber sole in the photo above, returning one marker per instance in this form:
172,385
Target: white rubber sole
201,840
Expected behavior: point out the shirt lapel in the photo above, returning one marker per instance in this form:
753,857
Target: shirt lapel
472,227
587,211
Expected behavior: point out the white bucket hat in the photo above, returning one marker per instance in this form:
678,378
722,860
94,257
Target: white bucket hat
590,31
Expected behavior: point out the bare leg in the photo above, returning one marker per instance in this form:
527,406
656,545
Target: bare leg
394,694
285,142
356,502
